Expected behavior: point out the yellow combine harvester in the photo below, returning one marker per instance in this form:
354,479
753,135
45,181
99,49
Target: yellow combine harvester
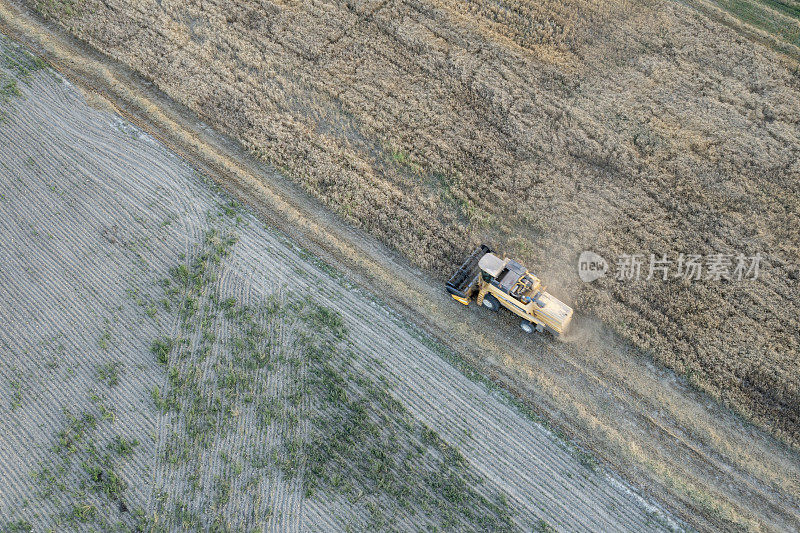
495,282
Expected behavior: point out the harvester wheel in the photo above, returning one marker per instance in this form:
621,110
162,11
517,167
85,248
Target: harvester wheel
491,303
527,327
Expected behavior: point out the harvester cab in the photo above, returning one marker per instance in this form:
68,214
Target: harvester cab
496,282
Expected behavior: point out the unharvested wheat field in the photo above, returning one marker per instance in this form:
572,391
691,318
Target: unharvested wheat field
172,364
543,129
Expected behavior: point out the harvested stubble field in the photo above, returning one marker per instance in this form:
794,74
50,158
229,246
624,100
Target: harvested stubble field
172,364
544,128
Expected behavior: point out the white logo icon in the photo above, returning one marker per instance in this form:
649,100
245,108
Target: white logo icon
591,266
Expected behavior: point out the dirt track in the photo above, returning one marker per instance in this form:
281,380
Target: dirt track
678,445
95,213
